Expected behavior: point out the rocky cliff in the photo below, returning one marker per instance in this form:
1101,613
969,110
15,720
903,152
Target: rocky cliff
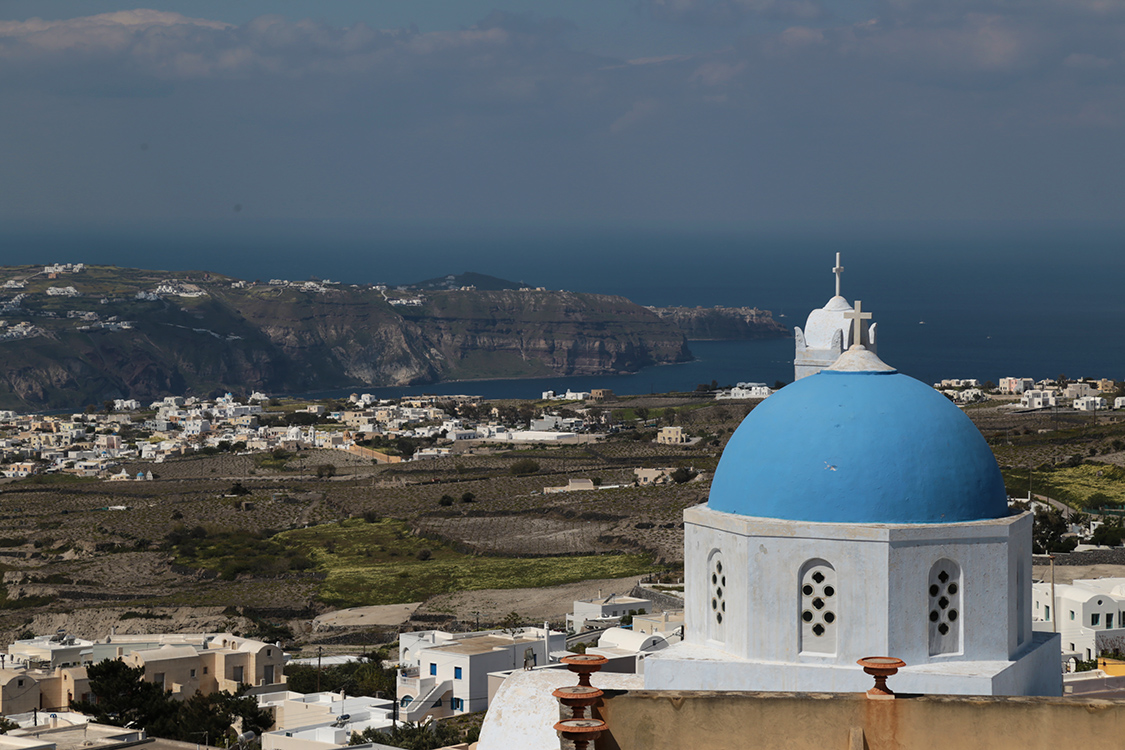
529,333
145,334
723,323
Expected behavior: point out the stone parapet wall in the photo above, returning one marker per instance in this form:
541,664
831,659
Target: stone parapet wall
1088,557
705,720
661,601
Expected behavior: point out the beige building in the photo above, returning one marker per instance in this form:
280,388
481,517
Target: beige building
205,664
671,436
50,671
646,477
661,622
23,690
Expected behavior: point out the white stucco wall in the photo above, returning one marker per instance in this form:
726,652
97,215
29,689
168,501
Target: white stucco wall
881,603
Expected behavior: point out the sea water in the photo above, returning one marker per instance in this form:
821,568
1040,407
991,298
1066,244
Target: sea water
967,303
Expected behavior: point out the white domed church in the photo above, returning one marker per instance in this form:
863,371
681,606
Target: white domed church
857,512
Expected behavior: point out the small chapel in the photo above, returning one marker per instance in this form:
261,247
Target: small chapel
855,513
828,333
858,512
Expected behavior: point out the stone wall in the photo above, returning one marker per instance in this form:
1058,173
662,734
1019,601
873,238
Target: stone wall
661,602
686,720
1089,557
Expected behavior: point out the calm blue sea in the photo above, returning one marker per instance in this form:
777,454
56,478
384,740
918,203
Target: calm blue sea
967,302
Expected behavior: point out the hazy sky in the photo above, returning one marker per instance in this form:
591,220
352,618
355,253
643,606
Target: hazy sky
582,111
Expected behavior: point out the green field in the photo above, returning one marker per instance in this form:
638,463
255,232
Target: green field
1072,485
380,563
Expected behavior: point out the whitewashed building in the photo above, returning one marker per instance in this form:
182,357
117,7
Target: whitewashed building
1089,615
829,332
1015,386
745,390
446,674
593,613
1036,399
1090,403
1079,389
855,513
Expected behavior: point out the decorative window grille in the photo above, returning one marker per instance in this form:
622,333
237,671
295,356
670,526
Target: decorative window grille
945,607
819,618
717,579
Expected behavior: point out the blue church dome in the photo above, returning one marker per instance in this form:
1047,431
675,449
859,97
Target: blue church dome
859,444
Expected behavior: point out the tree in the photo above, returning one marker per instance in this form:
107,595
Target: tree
325,471
1047,533
468,497
428,735
512,623
682,474
1098,500
445,501
523,467
123,697
368,677
240,705
1109,534
204,714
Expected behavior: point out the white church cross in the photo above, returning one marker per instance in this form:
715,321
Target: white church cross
858,316
838,270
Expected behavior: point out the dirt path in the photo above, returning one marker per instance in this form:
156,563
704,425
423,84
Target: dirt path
387,614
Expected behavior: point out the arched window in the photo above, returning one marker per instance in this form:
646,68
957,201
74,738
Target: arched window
944,592
717,612
819,618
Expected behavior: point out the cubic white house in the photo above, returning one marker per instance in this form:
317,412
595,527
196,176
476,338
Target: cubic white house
447,673
1088,614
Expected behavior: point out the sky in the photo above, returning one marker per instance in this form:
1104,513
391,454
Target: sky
583,112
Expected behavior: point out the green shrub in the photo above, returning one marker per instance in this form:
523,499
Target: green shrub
524,467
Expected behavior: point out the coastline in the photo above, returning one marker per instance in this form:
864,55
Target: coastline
763,360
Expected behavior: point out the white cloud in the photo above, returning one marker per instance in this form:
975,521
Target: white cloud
507,115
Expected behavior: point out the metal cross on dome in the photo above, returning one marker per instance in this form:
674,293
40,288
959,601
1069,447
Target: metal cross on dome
838,270
858,316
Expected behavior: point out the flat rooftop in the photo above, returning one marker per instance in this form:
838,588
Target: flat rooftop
79,736
482,644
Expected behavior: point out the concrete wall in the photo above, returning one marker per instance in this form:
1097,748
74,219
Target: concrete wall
653,720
